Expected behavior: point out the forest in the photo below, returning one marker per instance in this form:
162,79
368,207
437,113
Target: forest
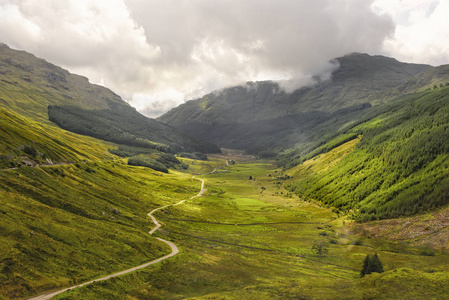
399,167
124,125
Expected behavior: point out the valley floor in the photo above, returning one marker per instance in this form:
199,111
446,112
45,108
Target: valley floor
248,238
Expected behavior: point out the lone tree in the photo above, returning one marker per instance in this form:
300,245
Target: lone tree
320,247
371,264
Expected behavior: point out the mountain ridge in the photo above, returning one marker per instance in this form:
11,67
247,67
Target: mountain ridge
31,75
360,81
47,93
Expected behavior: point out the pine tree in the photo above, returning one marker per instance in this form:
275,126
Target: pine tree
366,263
377,264
371,264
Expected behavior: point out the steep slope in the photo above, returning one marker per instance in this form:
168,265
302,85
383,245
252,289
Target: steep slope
27,142
36,89
65,224
228,117
431,78
29,84
399,167
70,210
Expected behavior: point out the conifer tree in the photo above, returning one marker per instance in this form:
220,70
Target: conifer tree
371,264
377,264
366,263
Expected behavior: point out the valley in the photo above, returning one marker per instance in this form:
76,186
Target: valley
314,183
252,239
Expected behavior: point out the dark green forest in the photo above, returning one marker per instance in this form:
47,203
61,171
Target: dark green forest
400,167
124,125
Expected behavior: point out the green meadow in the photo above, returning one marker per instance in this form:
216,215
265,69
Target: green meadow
252,239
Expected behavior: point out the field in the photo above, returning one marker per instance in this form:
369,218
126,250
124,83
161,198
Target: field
251,239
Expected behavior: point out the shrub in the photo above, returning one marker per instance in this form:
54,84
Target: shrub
30,150
320,247
357,243
333,241
148,163
168,160
427,252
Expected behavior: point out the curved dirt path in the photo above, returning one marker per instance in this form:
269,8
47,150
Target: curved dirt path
173,247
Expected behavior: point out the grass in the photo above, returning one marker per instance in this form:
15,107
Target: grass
52,144
63,225
240,241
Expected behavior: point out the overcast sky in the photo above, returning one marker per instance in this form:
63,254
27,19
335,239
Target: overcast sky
158,53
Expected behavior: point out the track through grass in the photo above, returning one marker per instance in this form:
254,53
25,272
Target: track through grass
251,239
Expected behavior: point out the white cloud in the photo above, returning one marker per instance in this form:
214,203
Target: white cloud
421,30
14,25
158,53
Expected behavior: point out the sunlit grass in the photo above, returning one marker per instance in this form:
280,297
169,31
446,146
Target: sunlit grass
241,242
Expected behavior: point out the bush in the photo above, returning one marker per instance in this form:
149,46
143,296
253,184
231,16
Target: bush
357,243
333,241
196,155
30,150
168,160
320,247
427,252
148,163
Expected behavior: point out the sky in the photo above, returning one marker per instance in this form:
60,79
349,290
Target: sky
156,54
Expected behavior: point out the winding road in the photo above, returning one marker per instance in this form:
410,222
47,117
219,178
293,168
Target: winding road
174,251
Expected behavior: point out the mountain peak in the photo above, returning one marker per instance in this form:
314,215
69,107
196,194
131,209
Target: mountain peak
227,116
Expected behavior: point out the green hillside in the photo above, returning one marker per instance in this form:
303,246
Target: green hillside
124,125
400,166
41,91
70,210
63,225
29,84
41,143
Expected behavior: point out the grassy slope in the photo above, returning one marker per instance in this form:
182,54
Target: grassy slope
124,125
66,223
244,242
51,142
29,85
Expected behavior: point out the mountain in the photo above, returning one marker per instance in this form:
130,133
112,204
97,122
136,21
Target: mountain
260,115
44,92
71,210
